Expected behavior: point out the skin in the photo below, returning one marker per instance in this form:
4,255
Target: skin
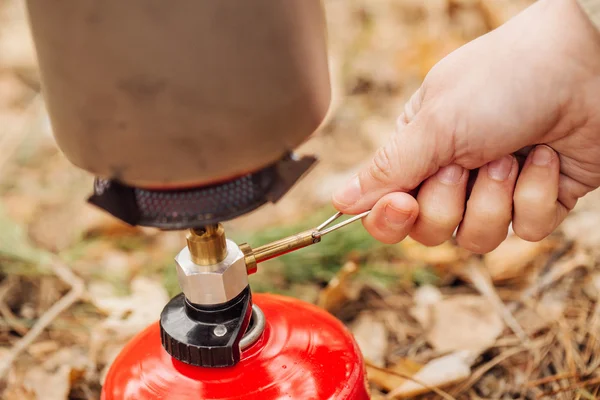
504,129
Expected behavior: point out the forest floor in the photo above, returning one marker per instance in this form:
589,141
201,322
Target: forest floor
76,285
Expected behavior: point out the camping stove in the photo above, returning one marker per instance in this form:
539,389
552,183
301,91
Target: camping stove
216,340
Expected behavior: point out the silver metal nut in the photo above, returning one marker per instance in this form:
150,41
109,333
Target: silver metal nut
212,284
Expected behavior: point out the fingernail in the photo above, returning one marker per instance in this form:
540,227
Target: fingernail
395,216
542,156
499,170
349,194
450,174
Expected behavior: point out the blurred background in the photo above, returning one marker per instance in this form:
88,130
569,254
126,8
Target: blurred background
76,284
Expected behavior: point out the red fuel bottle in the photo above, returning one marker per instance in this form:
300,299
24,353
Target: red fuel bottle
302,353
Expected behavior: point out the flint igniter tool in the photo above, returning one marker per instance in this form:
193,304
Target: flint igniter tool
294,242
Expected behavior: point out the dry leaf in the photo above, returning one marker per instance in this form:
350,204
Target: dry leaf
338,290
42,348
545,313
425,297
513,256
437,373
443,255
462,322
372,337
392,377
54,385
127,315
54,378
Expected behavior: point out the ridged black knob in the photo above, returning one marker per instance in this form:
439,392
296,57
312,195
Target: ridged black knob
205,336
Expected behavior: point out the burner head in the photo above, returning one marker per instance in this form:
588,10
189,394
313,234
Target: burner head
201,206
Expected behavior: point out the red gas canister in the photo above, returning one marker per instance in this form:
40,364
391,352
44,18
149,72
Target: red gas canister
303,353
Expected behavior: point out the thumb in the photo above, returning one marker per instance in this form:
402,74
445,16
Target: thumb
415,152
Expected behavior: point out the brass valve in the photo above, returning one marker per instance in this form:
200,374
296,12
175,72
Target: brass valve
277,248
207,244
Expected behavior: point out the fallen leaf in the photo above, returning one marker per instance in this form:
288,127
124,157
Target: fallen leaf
338,290
127,315
43,348
424,298
461,322
442,255
372,337
513,256
54,385
54,378
394,376
437,373
544,313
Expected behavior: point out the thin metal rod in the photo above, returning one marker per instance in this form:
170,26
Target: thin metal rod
329,220
342,224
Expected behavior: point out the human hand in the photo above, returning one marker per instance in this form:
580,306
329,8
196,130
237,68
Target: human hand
530,88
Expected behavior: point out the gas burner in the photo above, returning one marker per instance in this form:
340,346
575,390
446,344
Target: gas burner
195,207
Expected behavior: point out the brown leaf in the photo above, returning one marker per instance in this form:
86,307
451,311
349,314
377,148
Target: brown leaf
53,379
372,337
43,348
127,315
437,373
338,290
461,322
544,315
513,256
394,376
425,298
443,255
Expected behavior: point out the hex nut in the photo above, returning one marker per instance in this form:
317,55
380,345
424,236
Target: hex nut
212,284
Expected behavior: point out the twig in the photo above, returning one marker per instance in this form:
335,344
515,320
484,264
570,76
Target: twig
435,390
551,378
65,274
558,270
582,393
593,381
487,366
482,282
12,320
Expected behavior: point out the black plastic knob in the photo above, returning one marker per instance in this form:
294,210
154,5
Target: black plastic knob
206,336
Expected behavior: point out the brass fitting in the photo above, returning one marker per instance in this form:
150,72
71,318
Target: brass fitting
277,248
207,244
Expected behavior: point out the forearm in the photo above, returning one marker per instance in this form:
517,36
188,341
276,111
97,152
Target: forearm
592,9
